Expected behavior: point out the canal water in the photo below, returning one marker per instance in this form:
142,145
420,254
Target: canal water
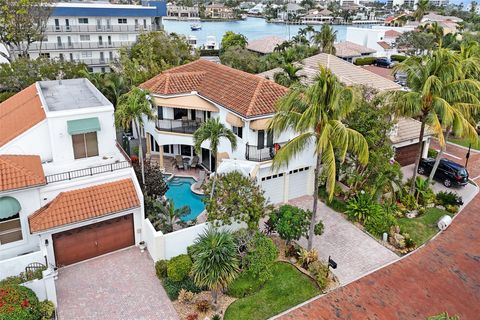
252,28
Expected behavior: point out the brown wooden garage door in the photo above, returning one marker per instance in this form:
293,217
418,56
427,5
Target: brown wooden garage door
93,240
406,155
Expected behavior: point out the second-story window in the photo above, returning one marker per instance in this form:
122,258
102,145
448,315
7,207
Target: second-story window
10,224
122,21
85,145
82,20
238,131
84,37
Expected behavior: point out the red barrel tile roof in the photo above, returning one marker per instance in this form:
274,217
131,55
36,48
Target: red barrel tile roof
84,204
20,171
244,93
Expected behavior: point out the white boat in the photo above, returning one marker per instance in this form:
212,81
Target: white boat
211,43
195,27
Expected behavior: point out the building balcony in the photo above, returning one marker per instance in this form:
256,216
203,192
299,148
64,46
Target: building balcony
87,45
131,28
86,172
178,126
261,153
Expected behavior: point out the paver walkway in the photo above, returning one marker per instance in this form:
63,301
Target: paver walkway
120,285
355,252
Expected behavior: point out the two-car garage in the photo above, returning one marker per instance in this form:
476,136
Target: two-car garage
282,187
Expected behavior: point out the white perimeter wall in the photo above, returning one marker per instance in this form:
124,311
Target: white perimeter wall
13,266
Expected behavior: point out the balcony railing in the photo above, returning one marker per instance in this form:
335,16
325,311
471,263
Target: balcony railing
95,28
180,126
49,46
80,173
254,153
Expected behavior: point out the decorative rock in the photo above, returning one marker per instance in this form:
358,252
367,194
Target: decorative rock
412,214
431,205
441,207
293,260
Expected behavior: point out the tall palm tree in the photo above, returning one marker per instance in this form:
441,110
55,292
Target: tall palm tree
422,7
439,95
116,86
213,131
134,107
215,262
173,216
288,76
325,39
437,30
315,114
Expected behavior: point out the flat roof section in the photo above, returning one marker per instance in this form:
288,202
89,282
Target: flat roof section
71,94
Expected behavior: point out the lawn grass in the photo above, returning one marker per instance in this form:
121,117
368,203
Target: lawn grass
424,227
287,288
464,142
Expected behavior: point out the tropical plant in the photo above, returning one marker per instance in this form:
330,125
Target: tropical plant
305,257
161,269
185,296
155,185
288,76
18,302
237,199
290,222
439,96
320,272
422,7
361,207
213,131
172,216
316,114
134,108
379,221
261,254
423,193
325,39
178,268
215,263
232,39
319,227
445,198
241,59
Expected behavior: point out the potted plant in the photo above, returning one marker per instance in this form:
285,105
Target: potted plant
142,246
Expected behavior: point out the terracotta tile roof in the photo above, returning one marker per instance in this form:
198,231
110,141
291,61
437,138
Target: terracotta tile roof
383,44
84,204
241,92
392,33
19,113
265,45
20,171
348,49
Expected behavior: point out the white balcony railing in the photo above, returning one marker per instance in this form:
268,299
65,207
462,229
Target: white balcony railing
102,28
48,46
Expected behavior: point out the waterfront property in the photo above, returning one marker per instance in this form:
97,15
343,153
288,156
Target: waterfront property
92,33
68,192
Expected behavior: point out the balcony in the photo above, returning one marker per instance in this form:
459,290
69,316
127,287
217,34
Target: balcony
49,46
80,173
178,126
266,153
96,28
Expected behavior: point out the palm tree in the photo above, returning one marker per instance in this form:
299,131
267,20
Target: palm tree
439,96
116,86
422,7
315,114
288,76
173,216
437,31
133,107
213,131
325,39
215,262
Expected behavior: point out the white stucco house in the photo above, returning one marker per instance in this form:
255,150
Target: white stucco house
184,97
67,190
379,38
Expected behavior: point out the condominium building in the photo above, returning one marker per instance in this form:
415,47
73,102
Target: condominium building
93,32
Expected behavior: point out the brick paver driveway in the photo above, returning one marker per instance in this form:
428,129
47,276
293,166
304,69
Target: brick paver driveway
355,252
120,285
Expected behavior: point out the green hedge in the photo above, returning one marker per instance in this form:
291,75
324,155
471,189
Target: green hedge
398,57
172,288
179,267
205,52
18,302
364,61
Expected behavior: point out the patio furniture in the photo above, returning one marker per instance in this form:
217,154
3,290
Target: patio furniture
186,163
179,162
201,180
194,162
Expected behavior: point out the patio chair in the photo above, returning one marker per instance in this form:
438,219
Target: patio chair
179,161
194,162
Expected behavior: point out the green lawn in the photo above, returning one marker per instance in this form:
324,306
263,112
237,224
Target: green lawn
422,228
464,142
287,288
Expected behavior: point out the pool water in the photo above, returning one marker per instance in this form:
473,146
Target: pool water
179,191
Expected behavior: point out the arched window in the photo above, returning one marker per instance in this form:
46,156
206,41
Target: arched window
10,225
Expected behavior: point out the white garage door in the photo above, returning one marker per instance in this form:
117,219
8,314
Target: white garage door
298,182
274,187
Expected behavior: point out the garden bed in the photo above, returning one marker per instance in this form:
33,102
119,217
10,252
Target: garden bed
424,227
287,288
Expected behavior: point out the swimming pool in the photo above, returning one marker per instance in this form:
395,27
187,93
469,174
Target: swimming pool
179,191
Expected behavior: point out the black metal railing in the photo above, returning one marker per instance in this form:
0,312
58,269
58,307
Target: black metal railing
180,126
69,175
255,153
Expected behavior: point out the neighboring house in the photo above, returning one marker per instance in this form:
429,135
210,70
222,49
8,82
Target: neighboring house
258,9
405,136
379,38
92,33
185,96
448,23
292,10
316,16
265,45
67,190
219,11
175,12
349,51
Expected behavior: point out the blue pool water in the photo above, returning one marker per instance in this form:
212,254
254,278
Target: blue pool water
179,191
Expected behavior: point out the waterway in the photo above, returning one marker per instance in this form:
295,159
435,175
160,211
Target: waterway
252,28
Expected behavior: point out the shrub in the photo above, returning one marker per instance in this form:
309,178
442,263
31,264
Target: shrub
192,316
409,242
173,287
185,296
379,221
445,198
360,207
261,254
307,257
336,204
398,57
318,230
179,267
432,153
291,222
409,201
242,240
320,272
202,306
23,277
451,208
161,268
46,309
18,302
292,250
364,61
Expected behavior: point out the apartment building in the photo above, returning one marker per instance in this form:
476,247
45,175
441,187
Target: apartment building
219,11
93,32
175,12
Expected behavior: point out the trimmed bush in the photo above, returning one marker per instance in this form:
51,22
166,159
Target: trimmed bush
46,309
179,267
161,268
364,61
398,57
173,287
379,221
18,302
445,198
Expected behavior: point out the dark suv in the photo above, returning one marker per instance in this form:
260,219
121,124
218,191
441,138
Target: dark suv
448,172
384,62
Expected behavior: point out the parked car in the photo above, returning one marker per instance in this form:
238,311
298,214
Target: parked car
384,62
400,78
448,172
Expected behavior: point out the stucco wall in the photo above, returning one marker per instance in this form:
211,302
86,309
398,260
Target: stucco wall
15,265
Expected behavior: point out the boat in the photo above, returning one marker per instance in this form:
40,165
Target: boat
195,27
